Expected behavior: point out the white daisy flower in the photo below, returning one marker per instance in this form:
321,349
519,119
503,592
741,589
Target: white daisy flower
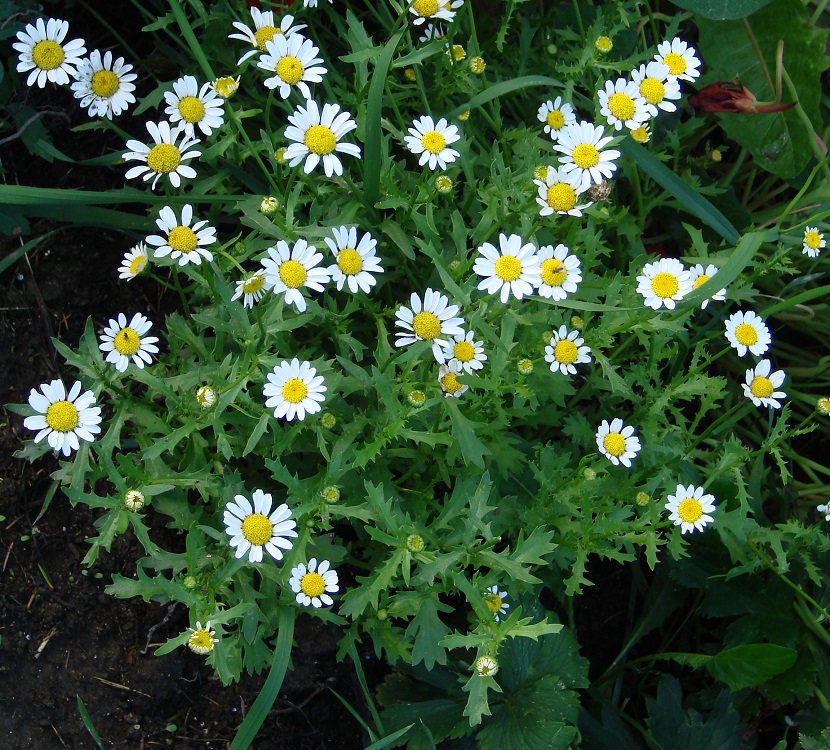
294,389
180,240
559,192
293,61
252,527
448,380
617,442
205,396
63,418
566,350
172,147
135,261
288,270
699,277
823,405
356,262
264,31
760,385
313,3
124,341
689,508
437,10
663,283
317,137
43,51
314,583
561,272
201,640
581,145
556,115
431,32
680,58
225,86
253,287
657,87
189,106
104,85
465,351
495,601
746,331
513,268
621,104
431,141
487,666
813,242
433,321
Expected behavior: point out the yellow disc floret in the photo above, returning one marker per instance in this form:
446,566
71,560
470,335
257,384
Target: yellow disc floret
62,416
614,444
653,91
464,351
665,285
292,274
554,272
700,281
746,334
425,8
433,142
689,510
320,140
254,284
138,264
676,63
508,268
312,584
201,642
257,529
191,109
450,383
164,158
812,239
621,106
182,239
127,341
265,34
493,602
426,325
294,390
565,352
290,69
585,156
561,197
555,119
761,387
104,83
349,261
48,55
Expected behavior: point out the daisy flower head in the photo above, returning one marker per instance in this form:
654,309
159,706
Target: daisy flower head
104,85
431,320
314,583
317,137
622,105
495,601
700,276
559,193
663,283
122,342
205,396
430,140
566,350
512,268
293,390
437,10
225,86
561,272
293,61
825,509
581,145
555,115
760,385
265,29
313,3
356,262
448,380
288,270
617,442
190,106
813,242
252,526
201,640
134,262
641,134
63,417
747,332
656,86
431,32
680,58
43,51
487,666
252,287
134,500
689,508
180,240
823,405
463,350
171,148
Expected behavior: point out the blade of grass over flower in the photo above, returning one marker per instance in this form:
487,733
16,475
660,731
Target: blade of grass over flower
688,198
190,38
500,89
247,731
387,741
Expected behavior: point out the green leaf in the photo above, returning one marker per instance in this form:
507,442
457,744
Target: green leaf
502,88
741,667
463,430
719,10
428,631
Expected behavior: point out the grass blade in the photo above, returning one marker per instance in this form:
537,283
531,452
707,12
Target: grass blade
500,89
15,255
387,741
90,727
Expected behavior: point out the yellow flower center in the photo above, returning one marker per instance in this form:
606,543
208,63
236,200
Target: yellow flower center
652,90
812,240
824,405
205,396
138,264
201,640
665,285
676,63
294,391
585,156
182,239
312,584
257,529
425,8
565,352
555,119
458,52
761,387
640,134
493,602
689,510
349,261
603,44
320,140
290,69
464,351
508,268
191,109
164,158
225,86
292,274
104,83
48,55
62,416
127,341
621,106
614,443
700,280
450,383
426,325
254,284
746,334
561,197
265,34
433,142
554,272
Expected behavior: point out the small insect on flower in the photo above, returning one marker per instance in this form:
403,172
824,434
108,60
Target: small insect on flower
134,500
135,261
760,385
430,140
431,320
253,527
566,350
192,107
813,242
317,137
123,342
205,396
104,85
622,104
663,283
356,262
314,583
699,277
289,270
561,272
689,508
43,51
487,666
293,390
581,145
201,640
294,62
448,380
555,115
496,602
617,442
252,287
63,418
264,31
513,268
559,193
680,58
172,147
747,332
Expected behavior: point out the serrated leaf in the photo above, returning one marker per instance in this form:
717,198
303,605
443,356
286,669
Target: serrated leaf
429,631
720,10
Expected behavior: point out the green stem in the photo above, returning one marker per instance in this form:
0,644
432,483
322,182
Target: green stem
808,126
